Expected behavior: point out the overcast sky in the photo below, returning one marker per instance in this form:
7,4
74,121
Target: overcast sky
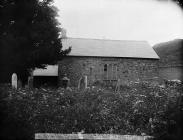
149,20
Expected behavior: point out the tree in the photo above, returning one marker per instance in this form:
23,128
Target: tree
179,2
29,37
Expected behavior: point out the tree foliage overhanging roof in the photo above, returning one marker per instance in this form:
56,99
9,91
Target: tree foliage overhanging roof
29,36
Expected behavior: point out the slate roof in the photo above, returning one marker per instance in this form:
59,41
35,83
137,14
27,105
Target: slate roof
109,48
50,70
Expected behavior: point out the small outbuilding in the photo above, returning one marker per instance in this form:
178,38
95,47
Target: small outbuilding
46,77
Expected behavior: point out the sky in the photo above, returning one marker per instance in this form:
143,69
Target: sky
150,20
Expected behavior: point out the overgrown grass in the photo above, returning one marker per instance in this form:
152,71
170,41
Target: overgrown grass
137,109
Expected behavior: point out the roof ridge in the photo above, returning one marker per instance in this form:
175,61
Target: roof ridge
106,39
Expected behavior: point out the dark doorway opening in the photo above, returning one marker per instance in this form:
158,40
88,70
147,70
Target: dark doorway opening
45,81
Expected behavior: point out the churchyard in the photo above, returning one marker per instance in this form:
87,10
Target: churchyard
139,109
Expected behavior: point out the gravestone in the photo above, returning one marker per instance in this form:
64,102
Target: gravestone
85,81
14,81
30,82
82,83
65,81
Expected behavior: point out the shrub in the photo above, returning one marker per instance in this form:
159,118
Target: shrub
139,108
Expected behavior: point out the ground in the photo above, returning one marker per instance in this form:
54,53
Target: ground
137,109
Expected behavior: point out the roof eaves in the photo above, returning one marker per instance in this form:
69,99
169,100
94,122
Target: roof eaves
113,57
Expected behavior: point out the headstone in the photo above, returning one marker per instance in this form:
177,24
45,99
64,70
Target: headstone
82,83
14,81
30,82
85,82
65,81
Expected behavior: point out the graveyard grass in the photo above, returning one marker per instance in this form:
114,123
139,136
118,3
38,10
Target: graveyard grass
137,109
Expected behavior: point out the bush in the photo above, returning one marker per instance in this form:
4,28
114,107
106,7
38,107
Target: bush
140,108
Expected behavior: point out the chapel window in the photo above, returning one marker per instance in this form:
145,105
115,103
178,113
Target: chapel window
105,67
105,72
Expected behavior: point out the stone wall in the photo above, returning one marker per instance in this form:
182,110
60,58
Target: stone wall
171,72
125,69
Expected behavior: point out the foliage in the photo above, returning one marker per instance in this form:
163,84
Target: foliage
29,37
178,2
140,109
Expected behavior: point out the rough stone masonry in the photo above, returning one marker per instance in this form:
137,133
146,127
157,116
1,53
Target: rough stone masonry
107,70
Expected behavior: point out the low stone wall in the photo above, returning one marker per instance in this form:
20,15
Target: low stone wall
171,72
53,136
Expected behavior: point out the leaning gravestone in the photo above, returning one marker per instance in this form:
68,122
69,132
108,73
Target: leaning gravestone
14,81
